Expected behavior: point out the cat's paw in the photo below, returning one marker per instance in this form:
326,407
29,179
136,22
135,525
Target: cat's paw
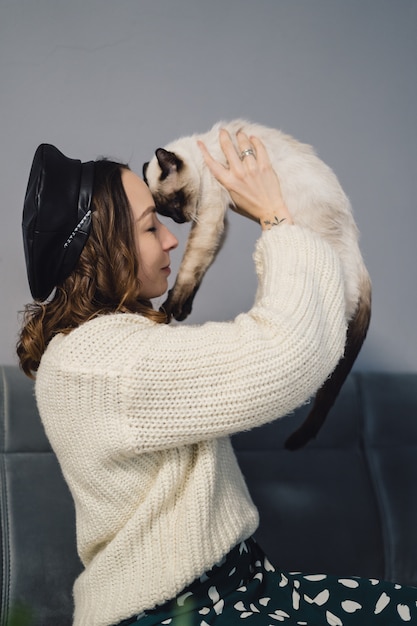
179,303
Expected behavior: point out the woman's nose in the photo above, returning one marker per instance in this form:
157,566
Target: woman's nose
170,242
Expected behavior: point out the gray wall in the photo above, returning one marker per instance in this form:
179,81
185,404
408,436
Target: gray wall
119,78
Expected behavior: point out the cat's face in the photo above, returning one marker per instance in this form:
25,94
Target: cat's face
172,185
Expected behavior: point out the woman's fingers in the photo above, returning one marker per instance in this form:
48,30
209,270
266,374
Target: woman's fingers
215,167
219,171
247,149
262,155
229,149
249,177
235,157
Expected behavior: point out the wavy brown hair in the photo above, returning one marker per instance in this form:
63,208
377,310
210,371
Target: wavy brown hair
104,280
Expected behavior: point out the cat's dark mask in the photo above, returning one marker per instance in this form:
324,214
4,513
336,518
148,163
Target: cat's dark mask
170,204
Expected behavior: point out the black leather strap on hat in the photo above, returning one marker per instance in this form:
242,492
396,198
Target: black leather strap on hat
56,217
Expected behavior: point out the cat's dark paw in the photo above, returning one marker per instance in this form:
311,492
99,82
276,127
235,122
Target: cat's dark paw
179,304
181,313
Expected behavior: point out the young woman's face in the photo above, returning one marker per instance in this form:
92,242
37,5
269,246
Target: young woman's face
153,239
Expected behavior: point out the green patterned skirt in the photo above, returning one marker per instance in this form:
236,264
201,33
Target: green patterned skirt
245,588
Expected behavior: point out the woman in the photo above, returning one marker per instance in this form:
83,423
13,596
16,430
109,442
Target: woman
139,413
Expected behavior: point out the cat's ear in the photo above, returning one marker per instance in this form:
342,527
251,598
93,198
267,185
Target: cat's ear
169,162
144,170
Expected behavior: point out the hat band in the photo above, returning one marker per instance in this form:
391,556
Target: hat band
84,200
77,228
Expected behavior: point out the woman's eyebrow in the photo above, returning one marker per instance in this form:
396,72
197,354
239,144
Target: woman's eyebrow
150,209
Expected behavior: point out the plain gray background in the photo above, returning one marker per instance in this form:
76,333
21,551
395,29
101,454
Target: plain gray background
120,78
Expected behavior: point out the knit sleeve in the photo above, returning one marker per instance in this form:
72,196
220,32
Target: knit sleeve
168,386
191,383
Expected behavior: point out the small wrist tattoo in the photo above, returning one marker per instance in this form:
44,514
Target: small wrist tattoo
274,222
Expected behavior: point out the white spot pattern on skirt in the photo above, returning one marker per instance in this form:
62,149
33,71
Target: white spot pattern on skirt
404,612
382,602
320,599
350,606
333,620
349,582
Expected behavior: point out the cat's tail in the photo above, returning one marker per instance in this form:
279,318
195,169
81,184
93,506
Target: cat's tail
327,394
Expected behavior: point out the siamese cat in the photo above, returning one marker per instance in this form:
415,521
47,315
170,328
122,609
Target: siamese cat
185,190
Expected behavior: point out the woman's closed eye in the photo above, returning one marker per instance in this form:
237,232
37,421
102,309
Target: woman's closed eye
153,224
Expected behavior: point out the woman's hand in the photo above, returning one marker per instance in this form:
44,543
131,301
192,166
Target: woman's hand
251,181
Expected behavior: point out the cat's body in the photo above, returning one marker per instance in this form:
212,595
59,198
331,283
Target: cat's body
184,189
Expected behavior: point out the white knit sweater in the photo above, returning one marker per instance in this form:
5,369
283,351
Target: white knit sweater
139,416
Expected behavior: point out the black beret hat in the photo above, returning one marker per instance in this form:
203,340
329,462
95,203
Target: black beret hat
56,217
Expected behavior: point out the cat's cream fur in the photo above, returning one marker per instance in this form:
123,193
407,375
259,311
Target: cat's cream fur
185,190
